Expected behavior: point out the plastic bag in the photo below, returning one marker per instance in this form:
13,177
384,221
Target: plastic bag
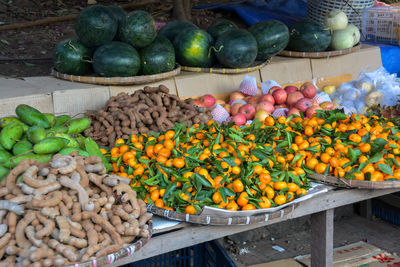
267,85
249,85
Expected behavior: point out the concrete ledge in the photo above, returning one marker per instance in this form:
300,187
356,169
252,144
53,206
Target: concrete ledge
49,94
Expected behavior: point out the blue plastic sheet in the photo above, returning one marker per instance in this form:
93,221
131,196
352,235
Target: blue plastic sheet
390,55
286,11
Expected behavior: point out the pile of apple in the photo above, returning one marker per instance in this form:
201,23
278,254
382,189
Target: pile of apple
277,102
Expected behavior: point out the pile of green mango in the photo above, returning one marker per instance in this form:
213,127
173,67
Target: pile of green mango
39,136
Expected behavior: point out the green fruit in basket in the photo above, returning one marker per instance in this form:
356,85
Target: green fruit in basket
342,39
236,49
118,12
116,59
50,145
157,58
193,48
138,29
309,36
173,28
78,125
72,142
51,118
62,119
72,57
32,116
95,26
4,156
3,172
35,134
10,135
12,162
21,147
7,120
272,37
220,27
165,41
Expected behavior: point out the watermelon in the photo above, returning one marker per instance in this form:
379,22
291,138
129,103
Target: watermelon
220,27
272,37
72,57
157,58
309,36
236,49
116,59
138,28
161,39
172,29
193,48
95,26
119,12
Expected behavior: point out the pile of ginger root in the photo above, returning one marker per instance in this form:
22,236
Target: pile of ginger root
148,109
67,211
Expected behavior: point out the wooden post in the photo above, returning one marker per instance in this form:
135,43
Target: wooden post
322,238
366,209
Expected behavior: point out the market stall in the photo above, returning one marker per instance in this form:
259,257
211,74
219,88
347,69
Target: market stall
208,129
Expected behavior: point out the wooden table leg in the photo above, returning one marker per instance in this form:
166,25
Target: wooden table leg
322,238
366,209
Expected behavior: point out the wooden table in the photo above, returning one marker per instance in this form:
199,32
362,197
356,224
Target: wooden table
320,207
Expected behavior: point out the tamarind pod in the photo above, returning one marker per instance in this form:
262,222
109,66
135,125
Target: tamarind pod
163,88
20,230
50,145
7,120
48,226
30,234
32,116
10,134
61,120
53,199
11,206
78,125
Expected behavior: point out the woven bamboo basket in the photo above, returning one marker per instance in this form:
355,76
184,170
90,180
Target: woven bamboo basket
217,220
112,258
317,9
135,80
221,70
349,183
325,54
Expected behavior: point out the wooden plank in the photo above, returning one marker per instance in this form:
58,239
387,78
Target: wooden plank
366,209
196,234
322,238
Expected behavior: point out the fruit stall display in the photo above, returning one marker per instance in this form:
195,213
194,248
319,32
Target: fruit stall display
112,43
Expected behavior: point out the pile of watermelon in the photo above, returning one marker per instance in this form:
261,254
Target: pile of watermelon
111,43
223,44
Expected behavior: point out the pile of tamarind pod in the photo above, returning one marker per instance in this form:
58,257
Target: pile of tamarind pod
67,211
149,109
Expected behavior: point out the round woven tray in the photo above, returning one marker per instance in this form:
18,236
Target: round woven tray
112,258
221,70
349,183
143,79
325,54
217,220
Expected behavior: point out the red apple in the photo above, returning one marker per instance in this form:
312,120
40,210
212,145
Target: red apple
293,111
205,101
280,96
294,97
308,89
265,105
312,110
272,89
303,104
252,99
290,88
261,115
235,108
281,106
239,119
236,96
268,98
248,110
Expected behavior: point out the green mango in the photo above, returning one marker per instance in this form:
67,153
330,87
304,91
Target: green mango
57,129
78,125
50,145
62,119
72,142
32,116
51,118
10,134
21,147
35,134
69,150
7,120
14,161
4,156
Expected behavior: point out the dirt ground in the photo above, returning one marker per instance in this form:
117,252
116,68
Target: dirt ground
294,237
28,51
